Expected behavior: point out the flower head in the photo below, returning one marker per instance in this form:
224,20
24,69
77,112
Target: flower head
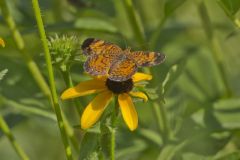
64,50
106,89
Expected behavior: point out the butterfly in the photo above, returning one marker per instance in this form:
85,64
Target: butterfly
104,58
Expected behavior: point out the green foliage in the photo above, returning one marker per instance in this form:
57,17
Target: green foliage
193,109
3,73
231,7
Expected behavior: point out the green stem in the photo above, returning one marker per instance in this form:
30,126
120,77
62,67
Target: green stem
6,130
113,144
67,78
162,121
68,81
32,66
113,129
156,34
56,105
161,116
158,110
214,46
136,27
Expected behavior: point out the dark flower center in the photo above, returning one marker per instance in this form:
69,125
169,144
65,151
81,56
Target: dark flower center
119,87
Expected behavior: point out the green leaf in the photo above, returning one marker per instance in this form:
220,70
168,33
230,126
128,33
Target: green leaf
151,135
169,151
174,72
88,146
138,146
151,93
227,112
230,7
3,73
171,6
230,156
28,110
95,24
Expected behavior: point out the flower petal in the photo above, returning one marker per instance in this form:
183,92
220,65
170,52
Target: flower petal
141,77
139,95
2,43
84,88
128,111
95,109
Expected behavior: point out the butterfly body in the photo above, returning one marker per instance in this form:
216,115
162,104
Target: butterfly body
108,59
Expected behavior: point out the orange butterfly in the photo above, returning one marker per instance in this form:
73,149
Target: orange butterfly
109,59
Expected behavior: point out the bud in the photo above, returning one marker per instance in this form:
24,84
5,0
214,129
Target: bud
65,50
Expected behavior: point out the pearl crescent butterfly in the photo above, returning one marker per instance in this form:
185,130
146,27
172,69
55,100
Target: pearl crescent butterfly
105,58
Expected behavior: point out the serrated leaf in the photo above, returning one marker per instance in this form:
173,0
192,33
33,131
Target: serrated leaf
95,24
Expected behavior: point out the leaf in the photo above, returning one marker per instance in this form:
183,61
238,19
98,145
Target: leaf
227,112
174,72
3,73
230,7
137,146
95,24
28,110
191,156
169,151
88,146
171,6
151,135
230,156
151,93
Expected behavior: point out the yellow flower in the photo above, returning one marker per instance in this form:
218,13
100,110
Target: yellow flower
107,89
2,43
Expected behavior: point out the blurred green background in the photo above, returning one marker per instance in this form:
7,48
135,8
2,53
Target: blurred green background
199,79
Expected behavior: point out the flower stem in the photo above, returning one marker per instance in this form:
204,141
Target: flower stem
68,81
161,116
56,105
159,111
32,66
113,129
113,144
214,46
136,27
6,130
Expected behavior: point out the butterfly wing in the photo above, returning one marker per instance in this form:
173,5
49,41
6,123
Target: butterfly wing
146,59
100,56
95,46
122,70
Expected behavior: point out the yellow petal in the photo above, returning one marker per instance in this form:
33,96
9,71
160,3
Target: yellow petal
2,43
141,77
139,95
84,88
128,111
95,109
